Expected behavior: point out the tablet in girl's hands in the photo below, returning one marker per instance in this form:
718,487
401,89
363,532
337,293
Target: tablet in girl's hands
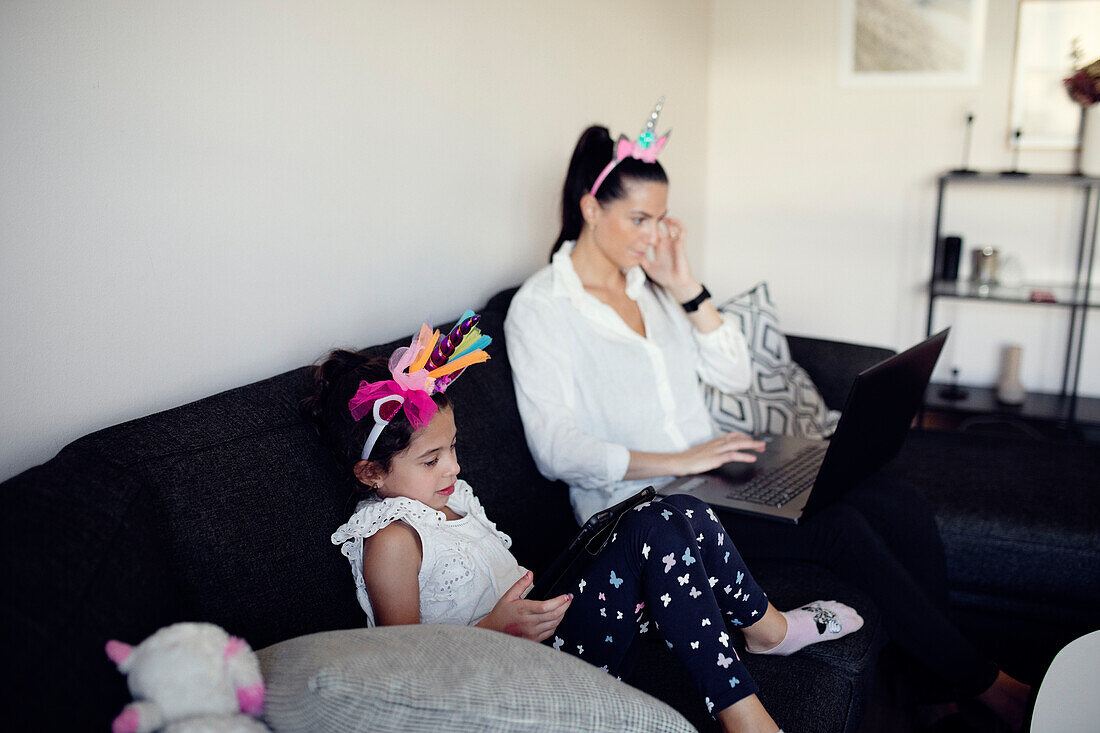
587,544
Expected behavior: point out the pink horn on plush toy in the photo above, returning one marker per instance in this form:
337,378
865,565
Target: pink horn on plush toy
250,696
250,699
233,646
118,652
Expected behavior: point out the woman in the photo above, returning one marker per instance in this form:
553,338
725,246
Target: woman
607,346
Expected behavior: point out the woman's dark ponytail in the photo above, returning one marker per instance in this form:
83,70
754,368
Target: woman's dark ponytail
590,156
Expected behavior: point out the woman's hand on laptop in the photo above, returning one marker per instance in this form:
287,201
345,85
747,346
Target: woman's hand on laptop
732,447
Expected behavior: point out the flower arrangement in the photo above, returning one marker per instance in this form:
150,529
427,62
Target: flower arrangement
1084,85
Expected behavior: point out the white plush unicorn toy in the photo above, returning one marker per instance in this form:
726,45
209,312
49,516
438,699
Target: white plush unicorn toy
189,678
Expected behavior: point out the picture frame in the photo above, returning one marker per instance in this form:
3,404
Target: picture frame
1046,33
911,43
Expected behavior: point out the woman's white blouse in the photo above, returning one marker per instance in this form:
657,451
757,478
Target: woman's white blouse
466,566
590,389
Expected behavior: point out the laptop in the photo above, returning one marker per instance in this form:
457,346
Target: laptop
795,477
587,544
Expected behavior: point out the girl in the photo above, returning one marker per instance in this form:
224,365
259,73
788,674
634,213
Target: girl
626,339
422,550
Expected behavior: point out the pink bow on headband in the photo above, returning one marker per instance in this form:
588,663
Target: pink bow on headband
417,404
628,147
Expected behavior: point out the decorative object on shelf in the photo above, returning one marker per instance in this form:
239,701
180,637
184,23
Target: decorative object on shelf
1042,296
1084,89
1009,389
966,170
953,391
1015,169
983,265
952,252
1010,273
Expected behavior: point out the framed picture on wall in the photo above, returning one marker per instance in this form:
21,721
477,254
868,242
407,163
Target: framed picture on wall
886,43
1052,38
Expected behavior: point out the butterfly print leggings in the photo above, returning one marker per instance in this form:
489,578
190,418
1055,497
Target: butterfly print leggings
670,569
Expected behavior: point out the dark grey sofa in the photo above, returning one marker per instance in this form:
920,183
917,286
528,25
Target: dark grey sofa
221,511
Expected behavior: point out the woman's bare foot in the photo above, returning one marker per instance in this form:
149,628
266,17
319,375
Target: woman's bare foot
931,714
1007,698
746,716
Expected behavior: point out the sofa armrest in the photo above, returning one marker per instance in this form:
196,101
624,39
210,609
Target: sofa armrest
833,365
82,563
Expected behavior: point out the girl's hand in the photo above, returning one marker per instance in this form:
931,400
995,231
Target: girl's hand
670,267
728,448
534,620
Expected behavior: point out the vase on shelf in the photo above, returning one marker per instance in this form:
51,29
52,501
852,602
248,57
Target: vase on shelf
1009,389
1088,156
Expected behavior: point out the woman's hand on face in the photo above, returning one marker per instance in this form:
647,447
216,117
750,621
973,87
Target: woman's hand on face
534,620
732,447
670,267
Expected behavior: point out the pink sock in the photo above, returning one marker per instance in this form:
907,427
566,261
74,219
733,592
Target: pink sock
814,622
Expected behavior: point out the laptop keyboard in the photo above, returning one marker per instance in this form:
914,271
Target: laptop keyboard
777,487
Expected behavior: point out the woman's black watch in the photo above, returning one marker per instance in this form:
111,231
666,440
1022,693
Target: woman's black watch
693,305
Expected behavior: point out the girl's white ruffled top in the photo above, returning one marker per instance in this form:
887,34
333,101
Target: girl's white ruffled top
466,566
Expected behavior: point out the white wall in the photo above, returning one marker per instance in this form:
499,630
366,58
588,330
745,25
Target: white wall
829,193
196,195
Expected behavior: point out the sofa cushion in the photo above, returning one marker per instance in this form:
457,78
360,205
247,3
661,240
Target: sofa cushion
833,365
781,398
453,678
1020,520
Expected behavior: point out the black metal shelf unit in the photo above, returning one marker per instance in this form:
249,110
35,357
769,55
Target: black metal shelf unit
1076,296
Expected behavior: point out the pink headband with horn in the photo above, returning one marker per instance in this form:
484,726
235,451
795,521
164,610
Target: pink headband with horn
427,365
645,149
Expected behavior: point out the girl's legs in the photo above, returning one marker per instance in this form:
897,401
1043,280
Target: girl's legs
652,573
775,632
671,562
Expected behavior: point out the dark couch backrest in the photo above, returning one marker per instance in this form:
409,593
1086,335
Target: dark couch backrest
221,510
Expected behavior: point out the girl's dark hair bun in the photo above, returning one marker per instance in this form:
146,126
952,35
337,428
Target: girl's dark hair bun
337,365
335,382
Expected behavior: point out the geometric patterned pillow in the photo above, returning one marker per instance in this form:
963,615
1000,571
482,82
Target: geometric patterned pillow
781,398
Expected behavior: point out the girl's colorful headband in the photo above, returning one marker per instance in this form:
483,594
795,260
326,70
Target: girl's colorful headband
426,366
645,149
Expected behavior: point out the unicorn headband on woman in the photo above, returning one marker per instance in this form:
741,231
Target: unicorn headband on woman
427,365
645,149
